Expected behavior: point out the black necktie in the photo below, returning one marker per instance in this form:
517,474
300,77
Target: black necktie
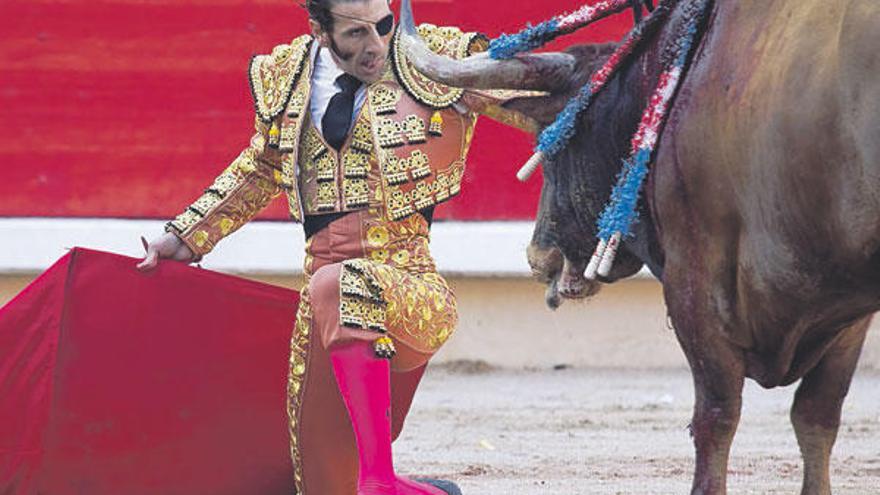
337,118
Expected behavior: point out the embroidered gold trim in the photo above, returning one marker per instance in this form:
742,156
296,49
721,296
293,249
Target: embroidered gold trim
312,146
272,77
441,188
361,302
384,347
184,221
436,126
299,348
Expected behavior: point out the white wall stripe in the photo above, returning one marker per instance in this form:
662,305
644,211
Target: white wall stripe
471,249
460,248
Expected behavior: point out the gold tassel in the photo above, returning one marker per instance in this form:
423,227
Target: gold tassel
436,127
384,347
274,135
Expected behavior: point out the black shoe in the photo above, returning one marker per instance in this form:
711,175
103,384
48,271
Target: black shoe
447,486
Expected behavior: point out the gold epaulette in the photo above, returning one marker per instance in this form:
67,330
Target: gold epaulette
273,76
448,41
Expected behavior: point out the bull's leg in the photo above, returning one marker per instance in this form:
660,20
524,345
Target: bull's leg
718,400
718,372
815,413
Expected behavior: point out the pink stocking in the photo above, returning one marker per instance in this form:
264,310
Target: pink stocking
365,384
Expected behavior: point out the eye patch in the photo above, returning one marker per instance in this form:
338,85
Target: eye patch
385,25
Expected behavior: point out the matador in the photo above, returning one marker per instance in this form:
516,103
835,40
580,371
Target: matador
364,147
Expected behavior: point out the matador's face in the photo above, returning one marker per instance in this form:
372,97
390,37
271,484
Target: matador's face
360,38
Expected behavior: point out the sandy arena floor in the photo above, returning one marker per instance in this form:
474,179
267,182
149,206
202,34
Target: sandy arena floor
596,431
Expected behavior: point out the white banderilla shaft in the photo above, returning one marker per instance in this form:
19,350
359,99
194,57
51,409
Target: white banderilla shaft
529,168
609,254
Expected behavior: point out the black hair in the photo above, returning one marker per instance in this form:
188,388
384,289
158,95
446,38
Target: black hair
319,11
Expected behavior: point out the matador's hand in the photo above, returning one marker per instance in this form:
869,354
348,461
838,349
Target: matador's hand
167,246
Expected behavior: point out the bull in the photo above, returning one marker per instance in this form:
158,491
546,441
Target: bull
760,214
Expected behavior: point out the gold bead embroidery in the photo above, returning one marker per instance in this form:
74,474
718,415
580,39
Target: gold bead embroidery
384,99
419,165
399,204
312,147
355,165
396,169
326,196
455,180
356,193
205,204
272,77
389,133
414,128
362,138
422,195
326,167
297,103
288,138
449,42
184,221
441,186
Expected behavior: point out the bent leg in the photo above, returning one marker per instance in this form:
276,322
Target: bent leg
322,443
815,413
374,398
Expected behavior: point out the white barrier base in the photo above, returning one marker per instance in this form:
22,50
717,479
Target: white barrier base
480,249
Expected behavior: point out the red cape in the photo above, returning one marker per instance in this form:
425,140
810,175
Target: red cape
118,382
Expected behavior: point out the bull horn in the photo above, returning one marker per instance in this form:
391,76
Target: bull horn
536,72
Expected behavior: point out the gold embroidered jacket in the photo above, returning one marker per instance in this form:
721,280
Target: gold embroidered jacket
406,150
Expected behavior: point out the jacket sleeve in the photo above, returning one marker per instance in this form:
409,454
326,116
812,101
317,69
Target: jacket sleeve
247,185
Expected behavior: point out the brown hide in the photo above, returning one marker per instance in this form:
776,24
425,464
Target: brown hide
767,181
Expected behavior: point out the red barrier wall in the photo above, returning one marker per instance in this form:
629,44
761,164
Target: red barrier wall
128,108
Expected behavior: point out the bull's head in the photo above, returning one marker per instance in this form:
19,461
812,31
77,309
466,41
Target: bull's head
577,181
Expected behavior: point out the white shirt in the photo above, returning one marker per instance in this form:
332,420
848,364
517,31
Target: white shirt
324,86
